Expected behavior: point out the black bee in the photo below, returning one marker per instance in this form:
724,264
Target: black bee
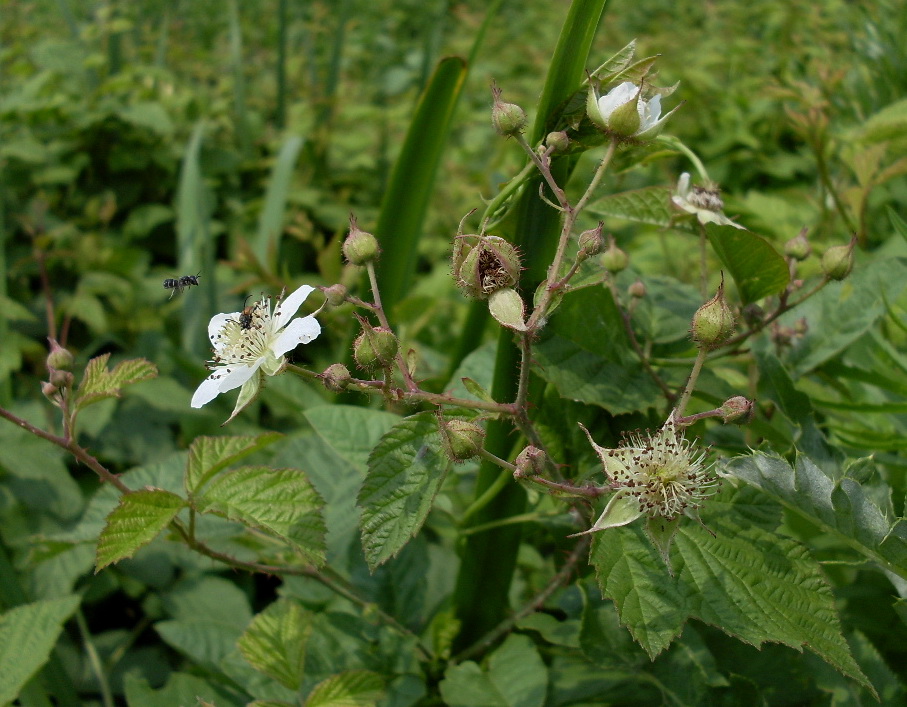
245,317
178,285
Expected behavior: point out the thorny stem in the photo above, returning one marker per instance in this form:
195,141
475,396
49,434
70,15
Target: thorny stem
531,606
691,382
382,317
556,488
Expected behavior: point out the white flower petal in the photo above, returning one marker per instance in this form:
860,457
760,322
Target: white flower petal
299,331
206,392
217,323
616,97
287,308
238,375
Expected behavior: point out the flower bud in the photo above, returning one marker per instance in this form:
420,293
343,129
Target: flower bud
591,241
462,440
508,118
530,462
336,378
737,410
61,379
375,347
837,261
798,247
637,289
713,322
59,358
558,141
335,294
49,390
614,260
490,265
359,247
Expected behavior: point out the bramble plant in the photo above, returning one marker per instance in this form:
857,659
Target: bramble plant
630,453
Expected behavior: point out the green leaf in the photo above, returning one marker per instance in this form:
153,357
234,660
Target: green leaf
180,689
351,432
897,223
28,634
409,190
275,642
749,582
405,471
270,223
353,688
837,505
584,352
516,677
98,383
650,205
208,455
281,502
757,268
890,123
135,522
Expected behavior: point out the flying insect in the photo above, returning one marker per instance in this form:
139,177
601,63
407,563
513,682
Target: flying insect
180,284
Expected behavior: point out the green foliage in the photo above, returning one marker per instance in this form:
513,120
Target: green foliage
98,383
135,522
275,642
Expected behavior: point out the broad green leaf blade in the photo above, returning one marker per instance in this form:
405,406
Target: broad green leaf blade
270,223
208,455
584,352
749,582
409,190
281,502
353,688
757,268
28,634
275,642
180,689
351,432
98,383
135,522
838,506
890,123
650,205
516,676
405,471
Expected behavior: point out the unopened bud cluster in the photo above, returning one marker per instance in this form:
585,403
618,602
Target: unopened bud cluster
375,347
59,362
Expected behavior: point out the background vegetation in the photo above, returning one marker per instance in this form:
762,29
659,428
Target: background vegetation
157,138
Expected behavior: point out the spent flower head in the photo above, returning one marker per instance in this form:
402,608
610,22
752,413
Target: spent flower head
251,344
703,202
660,475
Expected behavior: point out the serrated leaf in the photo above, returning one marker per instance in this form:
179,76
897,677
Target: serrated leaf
650,205
98,383
208,455
838,506
405,471
353,688
477,390
888,124
275,642
135,522
749,582
757,268
351,432
28,634
281,502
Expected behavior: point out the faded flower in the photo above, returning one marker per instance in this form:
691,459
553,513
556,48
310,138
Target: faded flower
703,202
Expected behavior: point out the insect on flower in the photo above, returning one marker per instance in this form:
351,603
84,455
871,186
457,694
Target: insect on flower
245,317
180,284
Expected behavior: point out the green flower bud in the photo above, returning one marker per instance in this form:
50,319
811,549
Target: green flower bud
359,247
58,358
530,462
336,378
614,260
637,289
837,261
508,118
335,294
61,379
714,321
591,241
737,410
375,347
798,247
462,440
490,265
558,141
50,391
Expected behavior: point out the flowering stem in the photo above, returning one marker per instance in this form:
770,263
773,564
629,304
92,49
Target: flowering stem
555,488
676,144
382,317
703,263
691,382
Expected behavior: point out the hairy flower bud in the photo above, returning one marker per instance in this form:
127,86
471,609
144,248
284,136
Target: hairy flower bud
714,321
798,247
336,378
335,294
508,118
49,390
557,141
59,358
359,247
490,265
462,440
375,347
837,261
591,241
530,462
737,410
614,260
61,379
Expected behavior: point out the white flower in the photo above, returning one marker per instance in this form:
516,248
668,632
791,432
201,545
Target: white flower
660,475
252,343
623,112
705,204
